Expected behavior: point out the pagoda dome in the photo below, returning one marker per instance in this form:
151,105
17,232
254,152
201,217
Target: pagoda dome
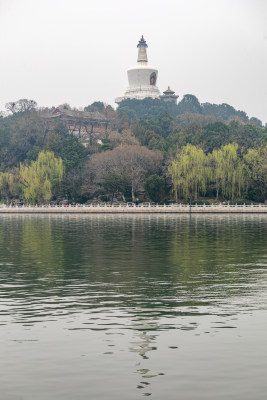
142,78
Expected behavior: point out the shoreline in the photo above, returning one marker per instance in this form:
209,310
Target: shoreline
139,209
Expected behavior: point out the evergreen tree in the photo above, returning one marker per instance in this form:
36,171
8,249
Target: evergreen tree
256,167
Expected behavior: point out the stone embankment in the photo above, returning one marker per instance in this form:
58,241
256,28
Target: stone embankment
137,209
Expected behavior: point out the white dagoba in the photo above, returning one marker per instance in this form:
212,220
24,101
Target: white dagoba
142,78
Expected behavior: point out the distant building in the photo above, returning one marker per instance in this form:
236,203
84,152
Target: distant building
142,78
87,126
169,95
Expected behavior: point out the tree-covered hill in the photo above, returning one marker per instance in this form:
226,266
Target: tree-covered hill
189,104
151,151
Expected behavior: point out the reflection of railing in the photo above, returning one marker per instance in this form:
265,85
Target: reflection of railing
134,208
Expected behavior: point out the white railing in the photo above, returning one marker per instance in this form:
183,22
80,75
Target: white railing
140,206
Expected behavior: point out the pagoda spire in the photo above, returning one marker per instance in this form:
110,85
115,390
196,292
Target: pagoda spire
142,78
142,55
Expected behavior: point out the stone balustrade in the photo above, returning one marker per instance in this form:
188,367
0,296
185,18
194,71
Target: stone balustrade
132,208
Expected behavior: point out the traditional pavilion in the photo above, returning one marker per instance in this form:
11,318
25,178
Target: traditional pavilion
169,95
87,126
142,78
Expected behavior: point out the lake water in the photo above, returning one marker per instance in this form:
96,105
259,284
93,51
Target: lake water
119,307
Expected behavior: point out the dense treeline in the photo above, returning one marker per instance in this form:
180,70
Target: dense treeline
153,151
189,104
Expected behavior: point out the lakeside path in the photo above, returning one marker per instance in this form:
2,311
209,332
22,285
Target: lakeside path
138,209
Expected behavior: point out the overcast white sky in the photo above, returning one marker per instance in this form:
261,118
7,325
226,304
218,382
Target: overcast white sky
78,51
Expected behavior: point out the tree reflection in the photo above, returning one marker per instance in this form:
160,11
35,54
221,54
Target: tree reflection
160,265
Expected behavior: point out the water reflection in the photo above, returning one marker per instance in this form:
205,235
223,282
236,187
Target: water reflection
129,281
161,265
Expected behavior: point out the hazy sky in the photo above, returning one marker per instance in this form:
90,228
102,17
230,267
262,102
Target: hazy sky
78,51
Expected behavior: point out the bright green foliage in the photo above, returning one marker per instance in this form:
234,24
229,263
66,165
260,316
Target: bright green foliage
230,170
189,172
217,169
256,167
40,177
192,170
8,184
227,171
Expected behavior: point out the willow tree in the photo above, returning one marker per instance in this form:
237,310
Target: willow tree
227,171
41,177
217,169
189,172
8,184
232,172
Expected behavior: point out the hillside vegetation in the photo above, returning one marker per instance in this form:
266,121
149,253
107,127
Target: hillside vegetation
152,151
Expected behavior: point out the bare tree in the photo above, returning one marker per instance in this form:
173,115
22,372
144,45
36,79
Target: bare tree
21,105
11,107
131,162
26,105
120,139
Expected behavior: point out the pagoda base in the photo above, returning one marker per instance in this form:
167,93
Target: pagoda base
140,93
